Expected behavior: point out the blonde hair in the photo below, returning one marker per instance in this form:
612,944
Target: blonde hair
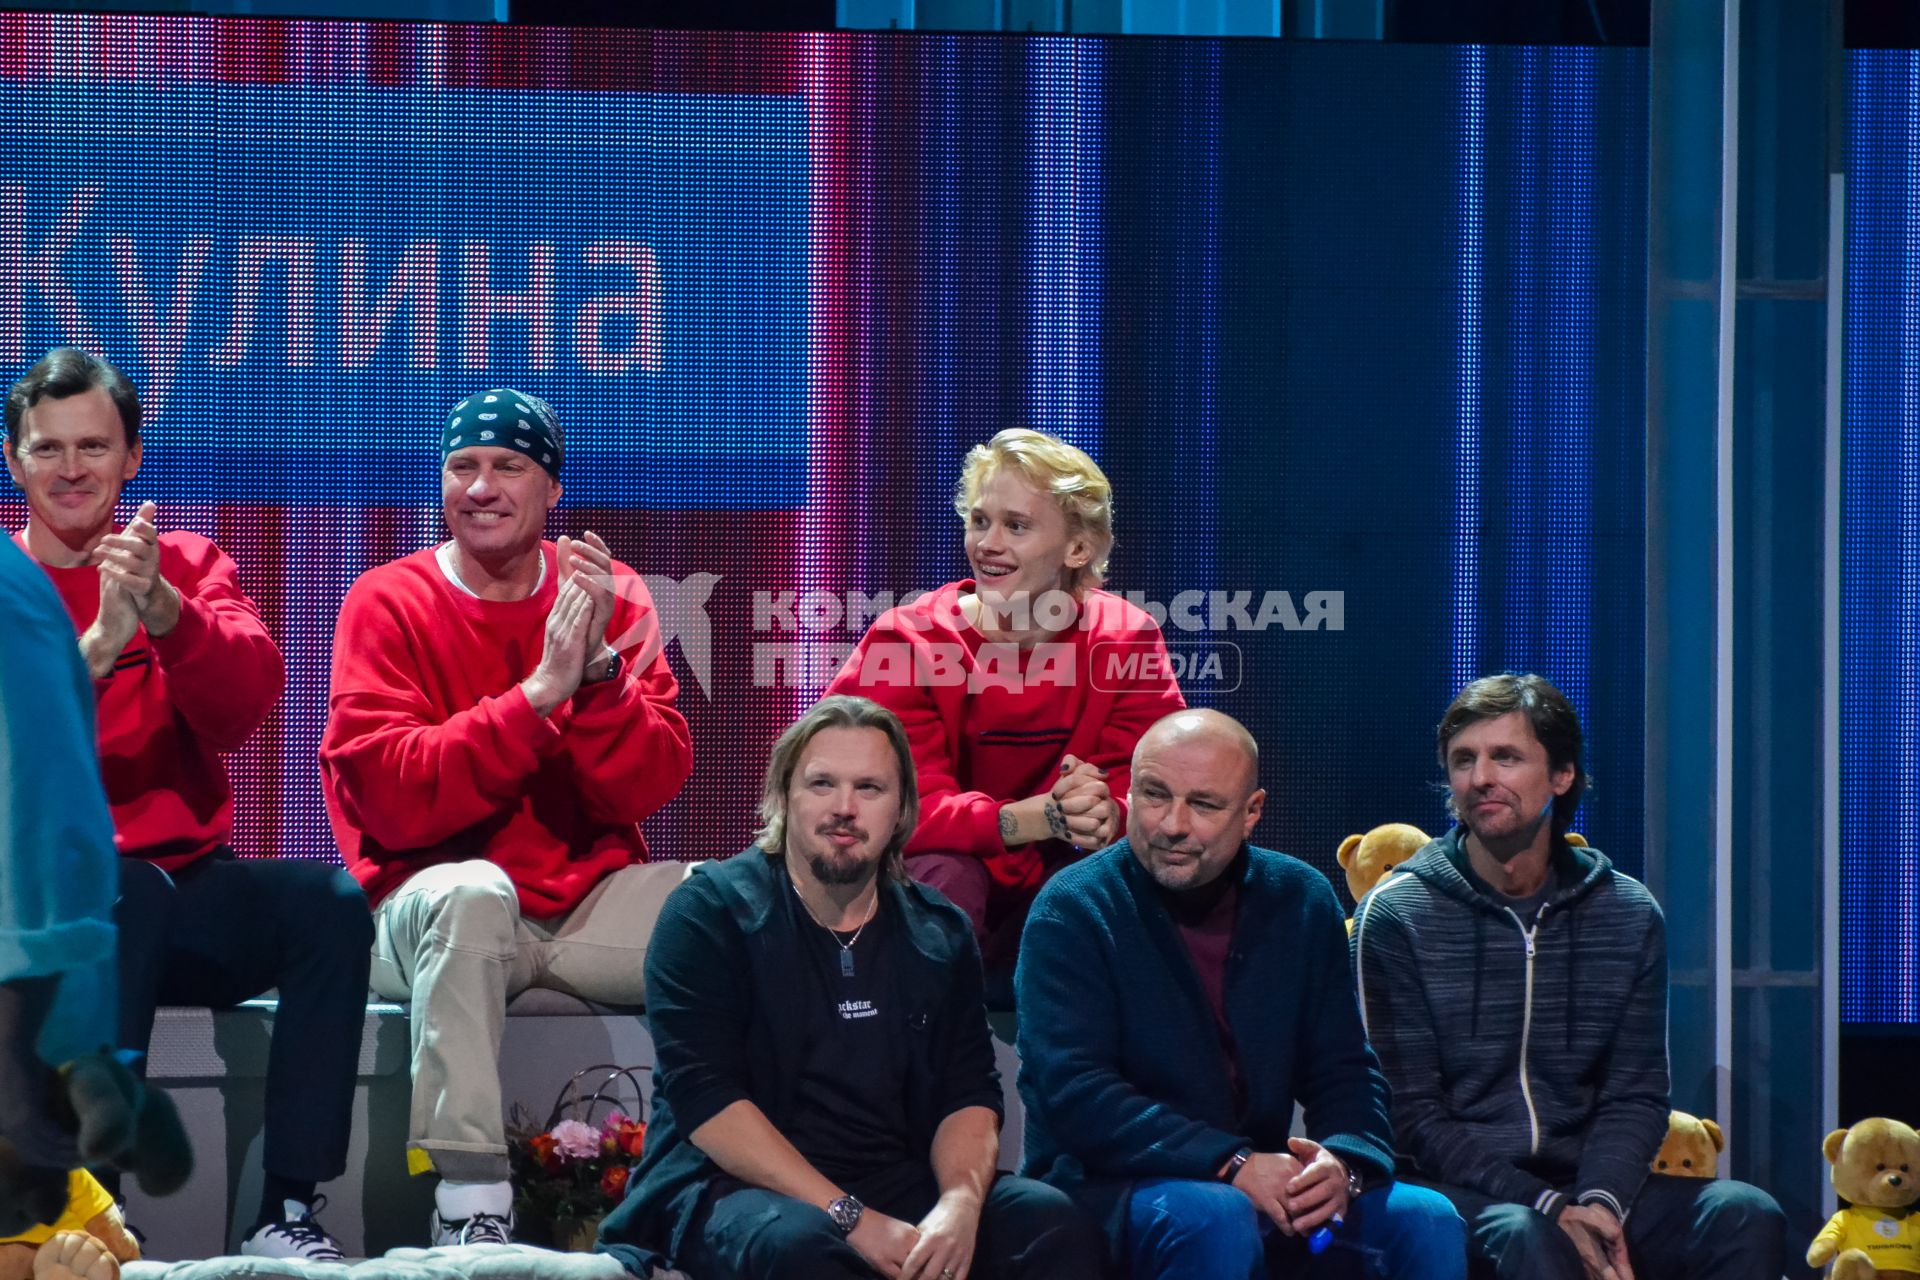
1054,467
839,711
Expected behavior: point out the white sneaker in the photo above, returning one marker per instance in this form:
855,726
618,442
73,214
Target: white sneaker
481,1228
297,1235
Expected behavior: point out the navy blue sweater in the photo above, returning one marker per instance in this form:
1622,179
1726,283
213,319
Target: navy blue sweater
1121,1068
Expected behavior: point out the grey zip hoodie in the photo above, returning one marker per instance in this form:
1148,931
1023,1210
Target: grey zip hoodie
1528,1064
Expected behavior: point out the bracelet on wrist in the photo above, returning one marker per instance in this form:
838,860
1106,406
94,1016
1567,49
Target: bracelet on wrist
1238,1161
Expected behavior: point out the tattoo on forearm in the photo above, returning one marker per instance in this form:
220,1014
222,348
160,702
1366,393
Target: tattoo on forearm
1056,821
1009,829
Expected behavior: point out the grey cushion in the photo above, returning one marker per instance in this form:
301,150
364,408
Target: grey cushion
539,1002
465,1262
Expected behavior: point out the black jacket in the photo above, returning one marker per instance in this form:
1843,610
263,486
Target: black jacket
725,986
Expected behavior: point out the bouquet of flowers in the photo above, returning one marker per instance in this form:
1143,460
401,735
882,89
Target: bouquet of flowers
570,1173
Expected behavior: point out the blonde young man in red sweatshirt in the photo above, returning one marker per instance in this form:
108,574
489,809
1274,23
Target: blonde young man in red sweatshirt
1023,689
184,672
488,758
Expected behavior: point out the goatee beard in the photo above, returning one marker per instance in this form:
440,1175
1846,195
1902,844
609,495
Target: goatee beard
827,872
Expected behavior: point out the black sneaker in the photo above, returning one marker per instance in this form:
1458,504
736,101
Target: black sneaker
481,1228
297,1235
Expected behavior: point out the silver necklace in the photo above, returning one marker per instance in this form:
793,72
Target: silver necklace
846,948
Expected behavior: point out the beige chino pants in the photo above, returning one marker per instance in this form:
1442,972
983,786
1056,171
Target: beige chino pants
452,941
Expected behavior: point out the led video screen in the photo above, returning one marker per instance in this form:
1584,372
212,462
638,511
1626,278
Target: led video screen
1357,331
1880,548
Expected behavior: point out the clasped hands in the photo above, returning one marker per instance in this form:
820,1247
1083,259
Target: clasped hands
132,592
1078,810
1600,1239
940,1247
576,632
1299,1189
1084,805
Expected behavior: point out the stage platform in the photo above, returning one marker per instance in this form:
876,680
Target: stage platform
214,1065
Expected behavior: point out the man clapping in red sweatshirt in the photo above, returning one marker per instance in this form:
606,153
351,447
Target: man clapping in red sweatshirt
184,672
488,758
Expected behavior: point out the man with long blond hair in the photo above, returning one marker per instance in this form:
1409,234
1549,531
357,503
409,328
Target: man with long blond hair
1023,688
826,1103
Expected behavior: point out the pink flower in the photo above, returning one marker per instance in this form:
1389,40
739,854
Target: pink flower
575,1140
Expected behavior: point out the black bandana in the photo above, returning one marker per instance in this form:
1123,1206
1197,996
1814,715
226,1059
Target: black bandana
505,419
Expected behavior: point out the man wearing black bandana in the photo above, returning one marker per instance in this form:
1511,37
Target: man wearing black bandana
501,720
1179,992
825,1103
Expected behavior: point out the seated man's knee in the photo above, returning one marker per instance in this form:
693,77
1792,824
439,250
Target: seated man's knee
1414,1222
347,908
1737,1215
334,908
963,880
477,912
1041,1227
144,888
1193,1228
765,1235
1520,1242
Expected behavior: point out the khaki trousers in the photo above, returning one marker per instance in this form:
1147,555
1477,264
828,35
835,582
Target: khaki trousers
452,941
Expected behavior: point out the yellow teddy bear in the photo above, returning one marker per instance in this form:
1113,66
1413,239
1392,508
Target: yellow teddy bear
1874,1168
1371,858
1691,1148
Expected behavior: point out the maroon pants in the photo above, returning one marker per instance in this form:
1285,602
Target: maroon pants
998,913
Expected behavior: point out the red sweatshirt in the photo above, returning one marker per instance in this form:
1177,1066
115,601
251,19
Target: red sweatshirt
989,723
433,754
174,704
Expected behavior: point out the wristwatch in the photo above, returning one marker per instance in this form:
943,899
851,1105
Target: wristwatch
599,670
1356,1185
845,1213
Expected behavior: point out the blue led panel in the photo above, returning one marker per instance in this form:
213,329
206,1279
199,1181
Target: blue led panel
348,261
1880,547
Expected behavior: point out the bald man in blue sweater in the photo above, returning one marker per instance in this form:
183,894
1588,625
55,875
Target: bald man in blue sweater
1179,992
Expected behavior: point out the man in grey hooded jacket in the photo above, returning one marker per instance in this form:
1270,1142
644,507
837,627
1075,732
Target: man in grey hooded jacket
1515,989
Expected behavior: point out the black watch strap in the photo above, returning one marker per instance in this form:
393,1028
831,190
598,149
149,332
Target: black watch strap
606,666
845,1213
1235,1163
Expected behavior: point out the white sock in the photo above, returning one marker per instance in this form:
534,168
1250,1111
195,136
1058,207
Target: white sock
460,1200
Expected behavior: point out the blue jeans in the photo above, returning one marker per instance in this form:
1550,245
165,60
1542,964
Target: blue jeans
1679,1229
1184,1230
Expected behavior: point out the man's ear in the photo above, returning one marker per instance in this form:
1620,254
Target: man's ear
1079,551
